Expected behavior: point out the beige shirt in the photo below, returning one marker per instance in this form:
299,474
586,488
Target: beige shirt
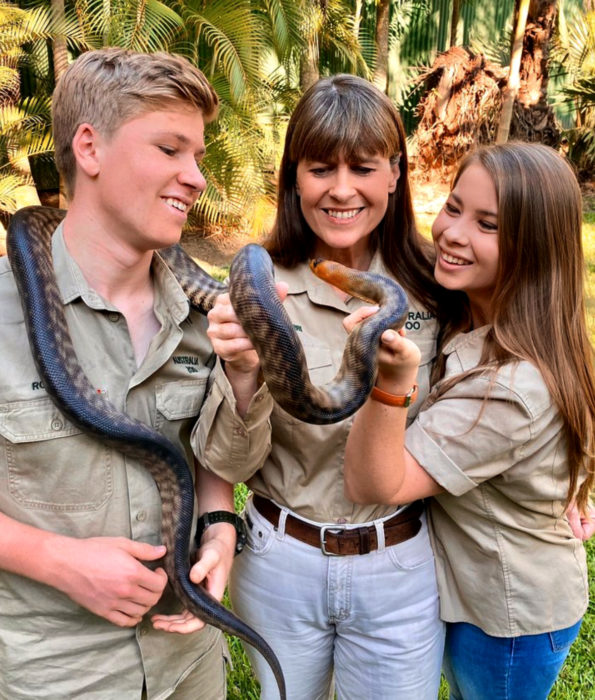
304,470
506,558
55,478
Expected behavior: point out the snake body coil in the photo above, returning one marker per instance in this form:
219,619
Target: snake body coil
257,305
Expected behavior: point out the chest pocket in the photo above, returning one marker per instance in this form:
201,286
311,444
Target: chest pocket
178,405
51,464
321,369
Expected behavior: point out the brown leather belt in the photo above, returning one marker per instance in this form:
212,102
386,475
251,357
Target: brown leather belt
337,541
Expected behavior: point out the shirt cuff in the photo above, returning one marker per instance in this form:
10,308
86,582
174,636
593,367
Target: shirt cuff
436,462
232,447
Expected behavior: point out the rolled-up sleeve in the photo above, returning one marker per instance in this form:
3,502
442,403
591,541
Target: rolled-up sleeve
230,446
463,439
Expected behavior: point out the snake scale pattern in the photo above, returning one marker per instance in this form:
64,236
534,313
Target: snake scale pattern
257,305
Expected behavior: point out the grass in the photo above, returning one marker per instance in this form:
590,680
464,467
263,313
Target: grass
577,680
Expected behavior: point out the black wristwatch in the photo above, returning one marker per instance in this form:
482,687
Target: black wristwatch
222,516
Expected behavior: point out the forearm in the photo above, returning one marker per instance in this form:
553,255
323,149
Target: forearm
244,385
213,493
29,551
374,454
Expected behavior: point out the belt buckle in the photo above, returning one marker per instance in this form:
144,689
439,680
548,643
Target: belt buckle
323,531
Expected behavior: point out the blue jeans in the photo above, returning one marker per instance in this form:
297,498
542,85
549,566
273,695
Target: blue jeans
480,667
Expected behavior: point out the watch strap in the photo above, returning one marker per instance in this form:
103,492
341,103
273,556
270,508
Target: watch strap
222,516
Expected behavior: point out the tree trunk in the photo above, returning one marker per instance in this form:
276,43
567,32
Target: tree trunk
60,57
313,12
454,23
357,18
380,77
512,87
533,118
309,73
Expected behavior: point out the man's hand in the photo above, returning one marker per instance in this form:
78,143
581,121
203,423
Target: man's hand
106,575
214,561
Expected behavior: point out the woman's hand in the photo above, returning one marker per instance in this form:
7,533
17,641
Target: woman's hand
582,524
211,570
398,357
230,342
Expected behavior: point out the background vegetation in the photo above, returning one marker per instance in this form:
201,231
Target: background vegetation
452,66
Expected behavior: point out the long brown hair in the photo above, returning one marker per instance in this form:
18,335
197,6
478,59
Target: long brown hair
347,116
538,306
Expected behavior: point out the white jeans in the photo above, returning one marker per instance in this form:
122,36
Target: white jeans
371,619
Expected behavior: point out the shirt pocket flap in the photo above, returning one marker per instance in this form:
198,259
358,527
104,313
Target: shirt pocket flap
316,355
33,421
178,400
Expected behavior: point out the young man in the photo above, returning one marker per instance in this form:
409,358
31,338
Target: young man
80,524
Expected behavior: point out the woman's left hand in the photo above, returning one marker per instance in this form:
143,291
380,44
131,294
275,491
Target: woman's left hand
398,357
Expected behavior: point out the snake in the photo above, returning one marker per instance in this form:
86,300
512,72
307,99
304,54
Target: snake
255,300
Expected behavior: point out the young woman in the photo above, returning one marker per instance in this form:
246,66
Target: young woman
335,587
505,440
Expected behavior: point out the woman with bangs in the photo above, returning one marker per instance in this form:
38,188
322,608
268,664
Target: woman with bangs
339,589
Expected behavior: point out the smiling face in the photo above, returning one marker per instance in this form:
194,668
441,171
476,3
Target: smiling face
465,236
344,202
148,176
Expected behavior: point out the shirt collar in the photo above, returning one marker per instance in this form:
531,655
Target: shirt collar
170,298
468,346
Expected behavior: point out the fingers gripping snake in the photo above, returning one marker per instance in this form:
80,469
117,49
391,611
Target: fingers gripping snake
254,298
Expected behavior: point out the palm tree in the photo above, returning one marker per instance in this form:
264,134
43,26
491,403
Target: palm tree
575,52
23,121
534,118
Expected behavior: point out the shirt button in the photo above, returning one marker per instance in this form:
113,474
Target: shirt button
57,424
258,398
114,317
141,516
240,432
341,521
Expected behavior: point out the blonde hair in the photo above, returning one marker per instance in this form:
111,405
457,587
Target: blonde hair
108,87
538,305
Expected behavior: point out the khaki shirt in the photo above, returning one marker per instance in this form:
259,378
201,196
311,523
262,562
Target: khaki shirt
55,478
506,558
304,470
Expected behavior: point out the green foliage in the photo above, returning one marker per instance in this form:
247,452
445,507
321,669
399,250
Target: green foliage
24,123
574,53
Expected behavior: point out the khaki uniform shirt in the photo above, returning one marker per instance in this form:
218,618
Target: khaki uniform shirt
55,478
506,558
304,470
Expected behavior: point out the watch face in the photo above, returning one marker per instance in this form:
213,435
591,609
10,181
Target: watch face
241,535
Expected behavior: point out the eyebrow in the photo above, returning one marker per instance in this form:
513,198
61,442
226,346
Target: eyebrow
482,212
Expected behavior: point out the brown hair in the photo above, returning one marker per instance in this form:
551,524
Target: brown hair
538,306
107,87
347,116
